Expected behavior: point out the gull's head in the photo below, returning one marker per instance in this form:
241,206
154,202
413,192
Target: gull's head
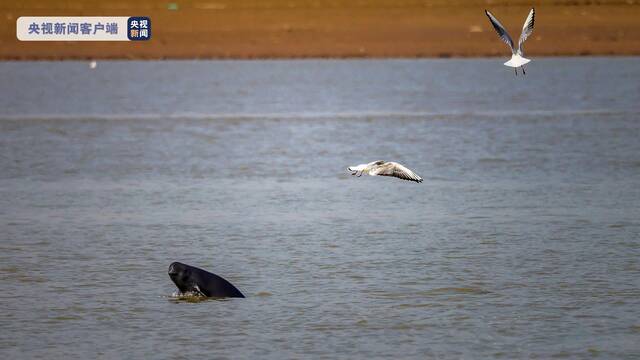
355,169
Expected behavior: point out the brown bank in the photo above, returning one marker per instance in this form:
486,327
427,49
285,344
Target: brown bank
339,28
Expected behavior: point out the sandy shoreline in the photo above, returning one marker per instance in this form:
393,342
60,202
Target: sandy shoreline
336,29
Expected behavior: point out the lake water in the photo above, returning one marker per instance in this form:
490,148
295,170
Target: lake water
523,241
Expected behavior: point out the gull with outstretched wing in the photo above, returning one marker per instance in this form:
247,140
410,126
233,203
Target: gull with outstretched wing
385,168
517,55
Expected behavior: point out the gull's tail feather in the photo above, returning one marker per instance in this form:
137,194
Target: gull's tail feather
516,61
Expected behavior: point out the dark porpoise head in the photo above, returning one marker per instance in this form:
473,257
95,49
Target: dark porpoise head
180,274
191,279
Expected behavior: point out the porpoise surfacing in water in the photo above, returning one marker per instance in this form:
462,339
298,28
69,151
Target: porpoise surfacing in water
190,279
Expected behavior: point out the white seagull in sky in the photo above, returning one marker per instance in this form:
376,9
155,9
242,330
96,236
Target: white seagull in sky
384,168
517,57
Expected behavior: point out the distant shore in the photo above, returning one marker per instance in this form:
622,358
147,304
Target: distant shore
226,29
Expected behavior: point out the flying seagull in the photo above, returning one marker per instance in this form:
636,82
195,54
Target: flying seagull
384,168
517,57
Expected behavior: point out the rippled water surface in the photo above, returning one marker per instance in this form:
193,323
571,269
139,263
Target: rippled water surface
523,241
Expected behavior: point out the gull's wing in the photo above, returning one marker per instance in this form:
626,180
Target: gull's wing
396,170
527,28
502,32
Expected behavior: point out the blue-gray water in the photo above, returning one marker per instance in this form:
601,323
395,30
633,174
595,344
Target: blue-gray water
523,241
